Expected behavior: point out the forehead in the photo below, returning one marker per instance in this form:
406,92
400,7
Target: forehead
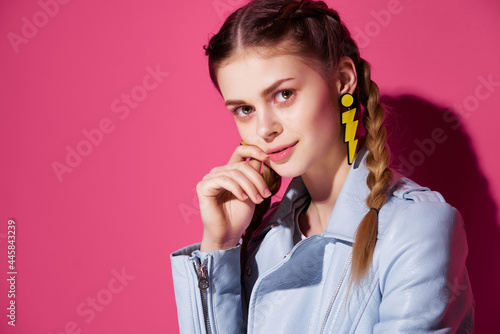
252,72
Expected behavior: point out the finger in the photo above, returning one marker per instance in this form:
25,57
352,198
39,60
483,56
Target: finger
245,174
256,164
242,152
214,186
252,183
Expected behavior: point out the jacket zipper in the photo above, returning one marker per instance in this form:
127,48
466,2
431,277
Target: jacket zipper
335,295
203,286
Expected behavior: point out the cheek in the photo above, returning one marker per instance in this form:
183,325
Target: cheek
324,120
316,122
241,130
325,132
246,131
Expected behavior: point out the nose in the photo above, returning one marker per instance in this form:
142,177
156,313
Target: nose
268,124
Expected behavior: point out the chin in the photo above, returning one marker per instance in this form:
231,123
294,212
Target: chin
286,170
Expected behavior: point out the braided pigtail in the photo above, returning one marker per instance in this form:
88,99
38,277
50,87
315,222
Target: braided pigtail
273,181
380,175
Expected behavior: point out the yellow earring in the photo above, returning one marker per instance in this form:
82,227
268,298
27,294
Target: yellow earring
347,100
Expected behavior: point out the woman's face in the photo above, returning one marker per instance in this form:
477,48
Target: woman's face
280,102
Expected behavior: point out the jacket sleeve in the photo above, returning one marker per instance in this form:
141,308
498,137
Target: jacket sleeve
423,279
219,309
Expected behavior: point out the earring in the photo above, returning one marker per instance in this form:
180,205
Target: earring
347,100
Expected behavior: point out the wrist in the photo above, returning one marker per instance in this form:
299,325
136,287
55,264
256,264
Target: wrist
210,245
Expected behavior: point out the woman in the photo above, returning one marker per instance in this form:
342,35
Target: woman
352,246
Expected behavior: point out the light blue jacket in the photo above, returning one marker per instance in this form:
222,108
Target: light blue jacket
417,282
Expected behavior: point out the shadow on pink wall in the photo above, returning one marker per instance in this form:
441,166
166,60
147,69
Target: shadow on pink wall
430,146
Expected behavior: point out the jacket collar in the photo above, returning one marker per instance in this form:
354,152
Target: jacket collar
349,209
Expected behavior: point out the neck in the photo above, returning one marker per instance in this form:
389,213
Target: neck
323,184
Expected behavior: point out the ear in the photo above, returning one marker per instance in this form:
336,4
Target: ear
347,79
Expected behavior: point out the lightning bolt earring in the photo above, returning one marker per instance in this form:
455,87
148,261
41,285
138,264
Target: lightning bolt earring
347,101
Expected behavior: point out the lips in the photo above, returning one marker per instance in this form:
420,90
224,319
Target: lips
279,148
281,153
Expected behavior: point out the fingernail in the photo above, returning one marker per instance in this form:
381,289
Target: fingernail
259,198
263,154
267,193
244,196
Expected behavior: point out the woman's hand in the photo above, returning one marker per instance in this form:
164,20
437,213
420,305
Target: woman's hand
228,195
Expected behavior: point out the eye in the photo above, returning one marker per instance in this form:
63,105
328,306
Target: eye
284,95
243,111
246,110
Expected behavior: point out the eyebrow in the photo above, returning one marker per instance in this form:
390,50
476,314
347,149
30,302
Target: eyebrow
265,92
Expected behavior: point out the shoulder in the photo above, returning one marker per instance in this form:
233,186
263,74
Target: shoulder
420,259
416,209
420,227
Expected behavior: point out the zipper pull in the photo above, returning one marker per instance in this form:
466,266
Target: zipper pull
202,275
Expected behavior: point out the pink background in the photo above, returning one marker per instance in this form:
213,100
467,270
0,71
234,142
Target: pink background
130,200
